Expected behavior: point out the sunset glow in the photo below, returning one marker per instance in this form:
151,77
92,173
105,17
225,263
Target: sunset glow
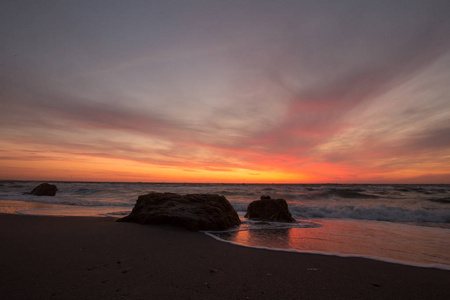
226,91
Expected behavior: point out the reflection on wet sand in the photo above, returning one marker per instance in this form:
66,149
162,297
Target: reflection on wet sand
384,240
275,238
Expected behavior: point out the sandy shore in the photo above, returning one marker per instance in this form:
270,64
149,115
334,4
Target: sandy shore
97,258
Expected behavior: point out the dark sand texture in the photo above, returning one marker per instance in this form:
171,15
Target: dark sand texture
97,258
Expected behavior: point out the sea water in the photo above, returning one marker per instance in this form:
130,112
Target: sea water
400,223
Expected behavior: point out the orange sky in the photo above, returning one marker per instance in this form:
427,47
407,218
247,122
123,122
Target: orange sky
270,92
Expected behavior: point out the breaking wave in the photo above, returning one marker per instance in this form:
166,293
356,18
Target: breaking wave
378,212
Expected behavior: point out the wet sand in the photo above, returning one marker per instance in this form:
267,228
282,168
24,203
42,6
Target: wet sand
97,258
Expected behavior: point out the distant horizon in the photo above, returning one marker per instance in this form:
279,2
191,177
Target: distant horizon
225,183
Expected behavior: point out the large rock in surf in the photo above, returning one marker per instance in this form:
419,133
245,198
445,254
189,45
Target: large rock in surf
192,211
267,209
45,189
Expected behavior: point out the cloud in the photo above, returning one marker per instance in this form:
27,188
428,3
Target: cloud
442,178
266,85
315,113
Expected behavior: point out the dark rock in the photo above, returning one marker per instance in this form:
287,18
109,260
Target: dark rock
193,211
44,189
274,210
265,197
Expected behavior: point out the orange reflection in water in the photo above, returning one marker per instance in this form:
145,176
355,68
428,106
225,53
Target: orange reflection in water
274,238
385,240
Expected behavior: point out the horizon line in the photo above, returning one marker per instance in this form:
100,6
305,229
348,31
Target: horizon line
229,183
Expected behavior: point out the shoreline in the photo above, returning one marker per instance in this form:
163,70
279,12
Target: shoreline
337,254
20,207
95,257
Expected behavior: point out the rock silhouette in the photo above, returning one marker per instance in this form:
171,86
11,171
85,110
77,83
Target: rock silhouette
267,209
45,189
192,211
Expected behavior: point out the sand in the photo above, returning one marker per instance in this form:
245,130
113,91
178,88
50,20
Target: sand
97,258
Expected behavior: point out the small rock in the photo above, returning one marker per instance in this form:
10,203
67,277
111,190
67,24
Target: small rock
45,189
272,210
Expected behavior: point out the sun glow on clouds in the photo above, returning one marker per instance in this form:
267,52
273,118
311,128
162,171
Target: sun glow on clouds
68,166
229,92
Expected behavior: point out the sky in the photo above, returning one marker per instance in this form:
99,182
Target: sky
225,91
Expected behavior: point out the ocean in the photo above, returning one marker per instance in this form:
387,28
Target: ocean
408,224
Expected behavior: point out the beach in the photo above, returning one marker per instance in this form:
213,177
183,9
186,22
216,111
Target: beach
46,257
407,224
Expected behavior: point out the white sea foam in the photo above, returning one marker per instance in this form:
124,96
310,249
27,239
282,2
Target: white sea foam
374,211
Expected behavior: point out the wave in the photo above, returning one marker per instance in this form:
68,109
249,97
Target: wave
380,212
427,190
87,191
265,225
230,193
240,206
268,189
341,193
351,193
396,203
445,200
